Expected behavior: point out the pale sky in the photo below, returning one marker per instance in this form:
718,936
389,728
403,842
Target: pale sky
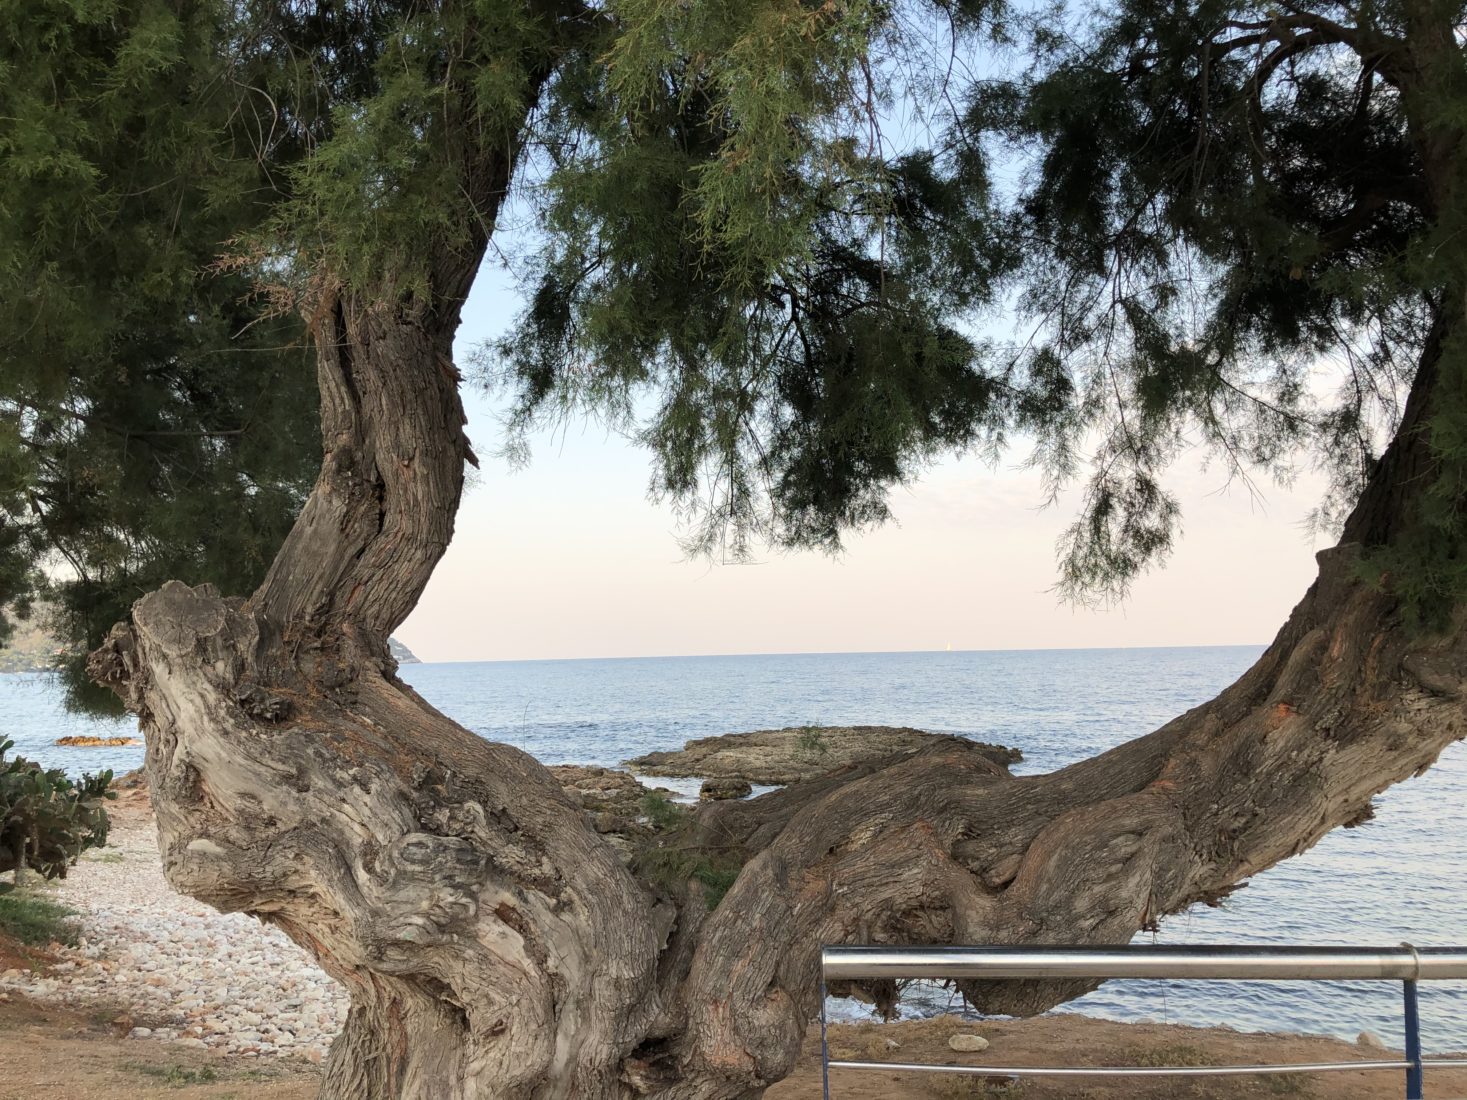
568,558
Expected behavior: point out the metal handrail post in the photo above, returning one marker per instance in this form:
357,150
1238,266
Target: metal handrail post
824,1048
1415,1075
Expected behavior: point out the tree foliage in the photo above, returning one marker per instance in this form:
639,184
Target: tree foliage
1220,212
798,249
731,240
1226,197
156,419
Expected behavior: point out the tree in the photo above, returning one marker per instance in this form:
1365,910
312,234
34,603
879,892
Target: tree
1221,193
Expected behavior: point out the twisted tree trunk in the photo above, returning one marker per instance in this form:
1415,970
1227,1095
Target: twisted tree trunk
495,945
491,941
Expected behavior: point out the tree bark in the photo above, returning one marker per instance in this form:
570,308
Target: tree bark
495,945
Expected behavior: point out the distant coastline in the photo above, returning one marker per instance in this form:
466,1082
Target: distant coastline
32,649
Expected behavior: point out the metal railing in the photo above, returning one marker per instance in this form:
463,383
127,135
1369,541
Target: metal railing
1406,964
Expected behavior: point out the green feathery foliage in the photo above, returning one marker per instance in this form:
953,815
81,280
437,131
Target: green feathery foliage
1222,197
672,858
413,101
770,239
740,265
729,240
156,419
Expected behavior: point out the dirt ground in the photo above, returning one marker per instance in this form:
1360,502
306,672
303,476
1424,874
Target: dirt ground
1080,1041
62,1054
51,1053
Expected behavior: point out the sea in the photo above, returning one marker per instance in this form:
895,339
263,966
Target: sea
1401,877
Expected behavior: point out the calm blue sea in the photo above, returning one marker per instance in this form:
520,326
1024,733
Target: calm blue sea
1400,877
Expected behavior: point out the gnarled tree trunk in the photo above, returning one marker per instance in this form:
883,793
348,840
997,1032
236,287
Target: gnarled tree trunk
494,945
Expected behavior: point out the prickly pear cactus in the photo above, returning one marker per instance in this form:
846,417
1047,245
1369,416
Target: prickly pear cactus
46,819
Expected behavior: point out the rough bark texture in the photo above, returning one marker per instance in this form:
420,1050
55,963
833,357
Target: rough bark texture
495,945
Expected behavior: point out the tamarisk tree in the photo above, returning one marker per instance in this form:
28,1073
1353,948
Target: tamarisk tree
735,244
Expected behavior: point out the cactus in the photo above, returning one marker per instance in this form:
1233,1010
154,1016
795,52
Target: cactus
46,819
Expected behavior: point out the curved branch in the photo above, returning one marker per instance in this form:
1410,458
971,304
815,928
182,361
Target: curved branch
936,848
1384,54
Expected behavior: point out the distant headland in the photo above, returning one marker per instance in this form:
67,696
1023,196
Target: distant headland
33,649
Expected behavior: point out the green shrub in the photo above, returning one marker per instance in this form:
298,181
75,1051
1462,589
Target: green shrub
34,919
660,811
812,742
671,866
46,820
177,1075
669,858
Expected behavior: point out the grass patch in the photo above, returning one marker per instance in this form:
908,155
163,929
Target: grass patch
1172,1054
660,811
105,857
36,920
1288,1084
865,1045
172,1073
965,1086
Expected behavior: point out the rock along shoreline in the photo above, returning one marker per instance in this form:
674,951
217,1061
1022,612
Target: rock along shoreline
175,970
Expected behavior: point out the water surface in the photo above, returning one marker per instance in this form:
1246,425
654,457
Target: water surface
1402,876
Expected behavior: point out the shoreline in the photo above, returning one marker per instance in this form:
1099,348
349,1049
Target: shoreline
76,1052
159,978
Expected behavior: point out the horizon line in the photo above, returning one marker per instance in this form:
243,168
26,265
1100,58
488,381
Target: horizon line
826,653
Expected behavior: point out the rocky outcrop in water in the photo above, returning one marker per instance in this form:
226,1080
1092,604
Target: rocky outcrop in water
613,800
716,790
601,790
790,755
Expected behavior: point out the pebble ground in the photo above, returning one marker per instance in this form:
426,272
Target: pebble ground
180,971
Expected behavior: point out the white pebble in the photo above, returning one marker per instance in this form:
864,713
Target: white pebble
208,979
